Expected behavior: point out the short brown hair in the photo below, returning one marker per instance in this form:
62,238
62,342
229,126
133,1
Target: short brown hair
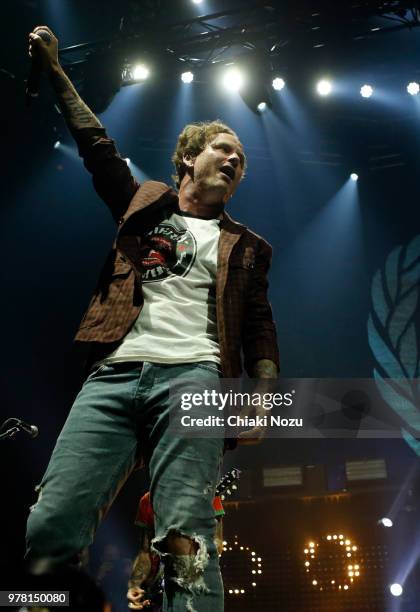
193,140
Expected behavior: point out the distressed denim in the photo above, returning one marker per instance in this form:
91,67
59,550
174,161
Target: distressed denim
122,411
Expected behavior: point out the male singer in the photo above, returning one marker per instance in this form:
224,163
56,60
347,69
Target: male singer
183,293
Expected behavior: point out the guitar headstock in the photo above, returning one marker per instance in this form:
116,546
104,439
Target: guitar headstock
228,483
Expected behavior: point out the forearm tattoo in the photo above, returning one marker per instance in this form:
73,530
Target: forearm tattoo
141,569
76,113
265,368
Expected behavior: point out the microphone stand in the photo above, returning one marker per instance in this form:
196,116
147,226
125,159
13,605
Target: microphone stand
12,431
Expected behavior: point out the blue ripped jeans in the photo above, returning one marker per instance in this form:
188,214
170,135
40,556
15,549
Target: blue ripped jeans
121,410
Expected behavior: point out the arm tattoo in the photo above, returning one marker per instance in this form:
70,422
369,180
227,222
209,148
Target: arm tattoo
265,372
142,565
141,569
76,112
265,368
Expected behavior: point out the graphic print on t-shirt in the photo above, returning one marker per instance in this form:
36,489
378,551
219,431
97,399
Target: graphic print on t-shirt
167,251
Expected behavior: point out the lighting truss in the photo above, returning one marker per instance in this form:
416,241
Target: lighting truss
275,33
272,26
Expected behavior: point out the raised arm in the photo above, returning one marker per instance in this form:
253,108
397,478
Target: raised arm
111,176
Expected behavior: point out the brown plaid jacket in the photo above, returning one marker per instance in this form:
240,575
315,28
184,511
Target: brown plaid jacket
244,317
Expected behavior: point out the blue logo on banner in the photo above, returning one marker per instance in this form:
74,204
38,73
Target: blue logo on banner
394,336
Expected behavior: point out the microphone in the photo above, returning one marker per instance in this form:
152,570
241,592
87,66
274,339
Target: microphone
32,430
34,77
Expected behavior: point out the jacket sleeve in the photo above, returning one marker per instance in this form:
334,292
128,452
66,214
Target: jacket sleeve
259,340
111,175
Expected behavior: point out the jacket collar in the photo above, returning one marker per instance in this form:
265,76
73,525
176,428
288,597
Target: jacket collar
230,225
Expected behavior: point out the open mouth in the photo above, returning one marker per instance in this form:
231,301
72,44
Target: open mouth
228,171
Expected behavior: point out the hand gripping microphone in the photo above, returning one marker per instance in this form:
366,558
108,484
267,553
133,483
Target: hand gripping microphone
34,77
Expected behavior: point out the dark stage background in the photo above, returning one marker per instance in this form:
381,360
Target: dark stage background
329,237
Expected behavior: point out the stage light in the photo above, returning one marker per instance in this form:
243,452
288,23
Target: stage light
187,77
346,586
57,144
324,87
366,91
140,72
252,556
354,177
386,522
278,84
197,1
413,88
262,106
321,549
233,79
396,589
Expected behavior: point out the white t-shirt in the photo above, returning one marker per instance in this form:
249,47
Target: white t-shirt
177,323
